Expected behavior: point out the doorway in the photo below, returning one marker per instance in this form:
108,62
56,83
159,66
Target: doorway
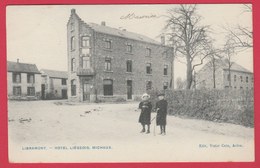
129,89
86,91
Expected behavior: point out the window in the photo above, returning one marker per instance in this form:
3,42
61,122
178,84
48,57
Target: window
148,85
64,81
165,85
165,70
17,91
148,68
129,66
108,87
148,52
73,87
16,77
241,78
235,87
72,43
108,44
30,91
73,64
71,26
30,78
129,48
241,87
85,62
228,77
235,78
108,64
247,79
85,41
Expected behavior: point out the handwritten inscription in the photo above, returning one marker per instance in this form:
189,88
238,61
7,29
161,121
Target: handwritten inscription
130,16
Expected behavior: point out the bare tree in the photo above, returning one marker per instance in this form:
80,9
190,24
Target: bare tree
188,37
241,37
180,84
229,53
214,63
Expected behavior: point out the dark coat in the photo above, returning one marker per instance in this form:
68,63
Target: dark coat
162,112
145,115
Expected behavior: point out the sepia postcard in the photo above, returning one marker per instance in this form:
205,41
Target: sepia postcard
130,83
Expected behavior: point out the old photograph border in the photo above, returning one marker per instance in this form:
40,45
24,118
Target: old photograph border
3,89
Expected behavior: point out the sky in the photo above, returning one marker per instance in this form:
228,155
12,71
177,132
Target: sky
37,34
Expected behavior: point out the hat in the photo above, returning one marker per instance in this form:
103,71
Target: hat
145,95
161,94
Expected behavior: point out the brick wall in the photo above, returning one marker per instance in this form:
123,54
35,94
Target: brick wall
160,55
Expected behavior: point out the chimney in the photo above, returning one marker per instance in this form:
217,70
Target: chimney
73,11
103,23
124,29
163,40
18,60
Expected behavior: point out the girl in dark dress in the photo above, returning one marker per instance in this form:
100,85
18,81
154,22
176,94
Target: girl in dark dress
145,115
161,107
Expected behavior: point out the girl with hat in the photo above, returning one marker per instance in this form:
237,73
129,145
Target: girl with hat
145,116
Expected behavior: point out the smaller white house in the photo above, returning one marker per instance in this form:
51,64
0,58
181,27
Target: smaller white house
24,81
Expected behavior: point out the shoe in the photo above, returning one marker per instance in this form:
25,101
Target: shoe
143,130
148,132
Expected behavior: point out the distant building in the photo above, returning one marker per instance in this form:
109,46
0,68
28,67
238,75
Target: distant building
24,81
239,77
106,63
54,84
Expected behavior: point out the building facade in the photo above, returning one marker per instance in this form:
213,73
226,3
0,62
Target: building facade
54,84
105,63
24,81
237,77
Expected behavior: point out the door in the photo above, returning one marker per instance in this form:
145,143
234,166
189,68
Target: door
43,92
129,89
86,92
64,93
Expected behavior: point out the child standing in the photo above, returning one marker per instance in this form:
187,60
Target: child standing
161,107
145,115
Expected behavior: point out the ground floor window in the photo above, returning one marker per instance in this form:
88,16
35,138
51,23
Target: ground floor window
73,87
108,87
148,85
17,91
30,91
165,85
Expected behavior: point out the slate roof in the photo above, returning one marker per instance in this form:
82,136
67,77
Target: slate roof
121,33
55,74
117,32
234,67
22,67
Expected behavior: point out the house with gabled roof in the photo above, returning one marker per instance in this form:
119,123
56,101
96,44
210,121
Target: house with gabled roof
106,63
235,77
24,81
54,84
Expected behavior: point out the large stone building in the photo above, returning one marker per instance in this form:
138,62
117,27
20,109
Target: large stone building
23,80
238,78
54,84
109,63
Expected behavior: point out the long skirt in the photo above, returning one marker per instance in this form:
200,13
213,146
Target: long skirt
145,118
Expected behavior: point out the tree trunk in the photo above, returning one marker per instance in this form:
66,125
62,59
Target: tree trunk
189,74
214,74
